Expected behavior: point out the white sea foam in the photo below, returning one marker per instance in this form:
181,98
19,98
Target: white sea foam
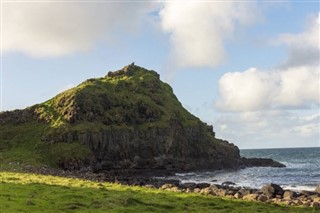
302,171
299,188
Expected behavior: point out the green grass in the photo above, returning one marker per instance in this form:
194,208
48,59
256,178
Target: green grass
21,145
22,192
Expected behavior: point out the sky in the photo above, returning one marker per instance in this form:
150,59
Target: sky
249,68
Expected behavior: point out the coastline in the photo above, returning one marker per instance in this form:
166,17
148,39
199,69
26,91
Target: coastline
270,193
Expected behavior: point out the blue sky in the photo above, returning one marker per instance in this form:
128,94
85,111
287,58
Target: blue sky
251,69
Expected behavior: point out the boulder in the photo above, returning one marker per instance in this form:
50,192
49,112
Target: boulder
197,190
231,192
245,191
272,190
207,191
317,189
261,162
167,186
250,197
262,198
238,195
149,186
218,190
289,195
202,185
189,185
316,199
297,202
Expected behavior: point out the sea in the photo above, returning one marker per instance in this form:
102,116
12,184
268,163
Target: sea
302,171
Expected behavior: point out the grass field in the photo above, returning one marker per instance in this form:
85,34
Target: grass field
22,192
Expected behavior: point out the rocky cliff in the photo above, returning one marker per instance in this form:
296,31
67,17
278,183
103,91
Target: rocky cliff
128,119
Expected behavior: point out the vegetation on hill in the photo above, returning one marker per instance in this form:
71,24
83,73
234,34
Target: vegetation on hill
129,97
132,106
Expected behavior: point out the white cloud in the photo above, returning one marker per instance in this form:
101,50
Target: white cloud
295,85
262,108
303,48
253,89
274,128
198,29
58,29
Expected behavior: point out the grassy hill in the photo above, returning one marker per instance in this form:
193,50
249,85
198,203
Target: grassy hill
127,119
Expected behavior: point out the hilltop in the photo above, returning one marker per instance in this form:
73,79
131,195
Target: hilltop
128,119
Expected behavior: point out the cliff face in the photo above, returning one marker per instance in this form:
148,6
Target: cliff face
176,147
127,120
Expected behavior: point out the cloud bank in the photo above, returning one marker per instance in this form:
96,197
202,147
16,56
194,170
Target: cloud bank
198,29
271,128
295,85
303,48
281,104
61,28
253,89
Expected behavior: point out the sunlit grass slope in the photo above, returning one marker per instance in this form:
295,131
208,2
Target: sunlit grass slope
21,192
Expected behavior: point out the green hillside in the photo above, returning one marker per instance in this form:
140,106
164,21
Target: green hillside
127,119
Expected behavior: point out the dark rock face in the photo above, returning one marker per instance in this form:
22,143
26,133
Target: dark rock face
202,185
272,190
261,162
177,148
190,185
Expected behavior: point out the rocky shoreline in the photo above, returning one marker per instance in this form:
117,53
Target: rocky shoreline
271,193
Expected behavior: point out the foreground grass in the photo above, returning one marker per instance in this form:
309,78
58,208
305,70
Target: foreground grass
21,192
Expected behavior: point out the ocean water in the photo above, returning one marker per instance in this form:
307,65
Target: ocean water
302,171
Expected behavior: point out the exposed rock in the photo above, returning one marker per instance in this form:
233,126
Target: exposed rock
231,192
197,190
261,162
174,189
316,199
189,185
317,189
297,202
250,197
238,195
272,190
246,191
289,195
219,192
228,183
262,198
167,186
149,186
202,185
